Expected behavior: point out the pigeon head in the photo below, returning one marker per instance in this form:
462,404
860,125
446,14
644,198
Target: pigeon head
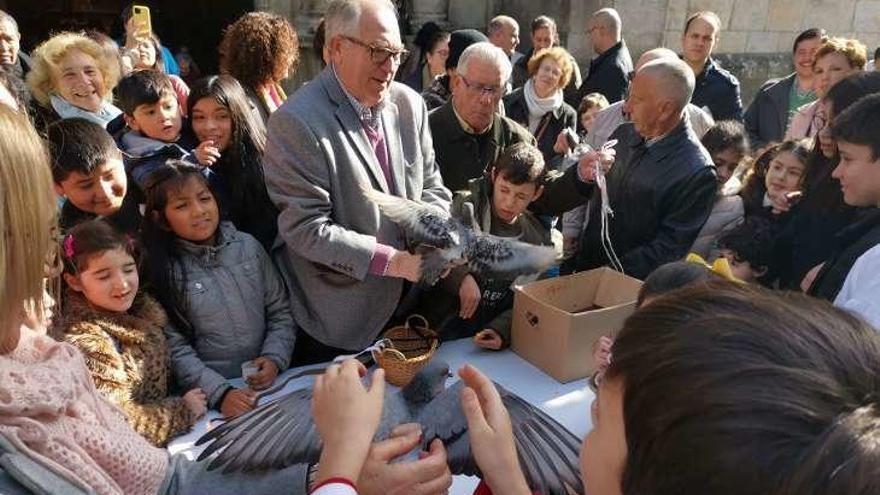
429,382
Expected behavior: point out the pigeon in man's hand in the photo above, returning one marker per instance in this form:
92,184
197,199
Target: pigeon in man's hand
282,433
455,243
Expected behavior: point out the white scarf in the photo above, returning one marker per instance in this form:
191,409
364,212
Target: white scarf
538,107
65,110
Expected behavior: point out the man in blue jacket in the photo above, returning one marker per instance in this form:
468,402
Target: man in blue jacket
610,70
662,184
715,89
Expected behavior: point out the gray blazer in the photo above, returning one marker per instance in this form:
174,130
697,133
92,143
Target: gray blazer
317,159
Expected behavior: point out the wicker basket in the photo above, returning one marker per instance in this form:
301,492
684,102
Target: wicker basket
408,349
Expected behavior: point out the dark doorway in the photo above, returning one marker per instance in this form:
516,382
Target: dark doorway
196,24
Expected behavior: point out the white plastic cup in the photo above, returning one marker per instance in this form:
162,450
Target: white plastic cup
249,369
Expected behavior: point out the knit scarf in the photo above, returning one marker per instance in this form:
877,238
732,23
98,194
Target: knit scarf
65,110
52,412
538,107
273,96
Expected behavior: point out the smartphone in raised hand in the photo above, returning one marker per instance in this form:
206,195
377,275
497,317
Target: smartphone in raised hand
140,19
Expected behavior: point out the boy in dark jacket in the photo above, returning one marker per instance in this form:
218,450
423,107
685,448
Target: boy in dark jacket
496,204
88,173
849,277
153,120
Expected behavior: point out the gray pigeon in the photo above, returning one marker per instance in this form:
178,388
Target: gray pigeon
458,244
281,433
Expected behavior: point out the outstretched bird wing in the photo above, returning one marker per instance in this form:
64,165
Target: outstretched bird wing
548,452
278,434
502,257
422,223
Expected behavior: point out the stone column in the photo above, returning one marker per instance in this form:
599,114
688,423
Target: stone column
305,16
429,10
470,13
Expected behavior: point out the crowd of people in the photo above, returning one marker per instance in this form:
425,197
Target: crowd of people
186,232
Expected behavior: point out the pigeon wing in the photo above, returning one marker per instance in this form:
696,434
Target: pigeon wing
443,418
548,452
422,223
276,435
500,257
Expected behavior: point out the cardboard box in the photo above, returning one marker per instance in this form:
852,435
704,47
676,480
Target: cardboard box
556,321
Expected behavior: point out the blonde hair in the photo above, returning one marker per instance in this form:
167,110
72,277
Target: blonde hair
855,52
48,55
560,56
27,217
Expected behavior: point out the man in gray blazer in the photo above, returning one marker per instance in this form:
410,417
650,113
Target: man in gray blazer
351,127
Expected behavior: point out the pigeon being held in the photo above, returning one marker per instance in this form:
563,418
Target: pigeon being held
282,433
452,243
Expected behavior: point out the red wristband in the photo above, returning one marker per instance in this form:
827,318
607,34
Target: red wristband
342,481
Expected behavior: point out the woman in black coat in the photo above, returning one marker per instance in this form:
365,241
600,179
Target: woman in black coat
539,105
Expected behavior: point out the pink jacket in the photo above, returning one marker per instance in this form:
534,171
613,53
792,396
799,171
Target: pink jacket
801,125
50,410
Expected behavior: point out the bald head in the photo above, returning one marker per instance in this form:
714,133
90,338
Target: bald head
655,54
501,22
609,19
604,29
503,32
658,95
671,78
9,39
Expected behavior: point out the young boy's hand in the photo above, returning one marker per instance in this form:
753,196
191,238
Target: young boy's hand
196,401
207,153
468,297
491,434
346,414
266,374
488,339
237,402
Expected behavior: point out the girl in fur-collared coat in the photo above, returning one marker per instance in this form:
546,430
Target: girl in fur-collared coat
120,333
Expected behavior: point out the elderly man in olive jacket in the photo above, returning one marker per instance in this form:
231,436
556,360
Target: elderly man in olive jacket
469,134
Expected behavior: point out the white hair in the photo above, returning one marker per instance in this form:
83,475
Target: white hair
654,54
343,17
488,53
673,78
610,20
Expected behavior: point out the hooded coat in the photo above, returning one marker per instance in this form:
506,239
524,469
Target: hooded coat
129,362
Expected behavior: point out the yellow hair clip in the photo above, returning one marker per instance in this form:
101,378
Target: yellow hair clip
720,266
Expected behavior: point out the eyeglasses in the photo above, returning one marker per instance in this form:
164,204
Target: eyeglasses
379,54
490,91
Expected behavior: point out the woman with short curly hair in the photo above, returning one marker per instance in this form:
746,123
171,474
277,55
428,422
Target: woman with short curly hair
835,59
539,105
260,50
72,76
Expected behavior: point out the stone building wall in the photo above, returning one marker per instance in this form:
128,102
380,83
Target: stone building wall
755,41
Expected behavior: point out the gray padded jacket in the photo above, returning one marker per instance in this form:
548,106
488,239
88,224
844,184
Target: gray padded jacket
238,310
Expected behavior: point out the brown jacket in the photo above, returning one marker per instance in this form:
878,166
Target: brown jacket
129,362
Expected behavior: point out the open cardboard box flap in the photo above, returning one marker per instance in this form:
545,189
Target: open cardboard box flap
556,321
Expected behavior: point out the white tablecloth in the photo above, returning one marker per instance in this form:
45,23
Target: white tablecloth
567,403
